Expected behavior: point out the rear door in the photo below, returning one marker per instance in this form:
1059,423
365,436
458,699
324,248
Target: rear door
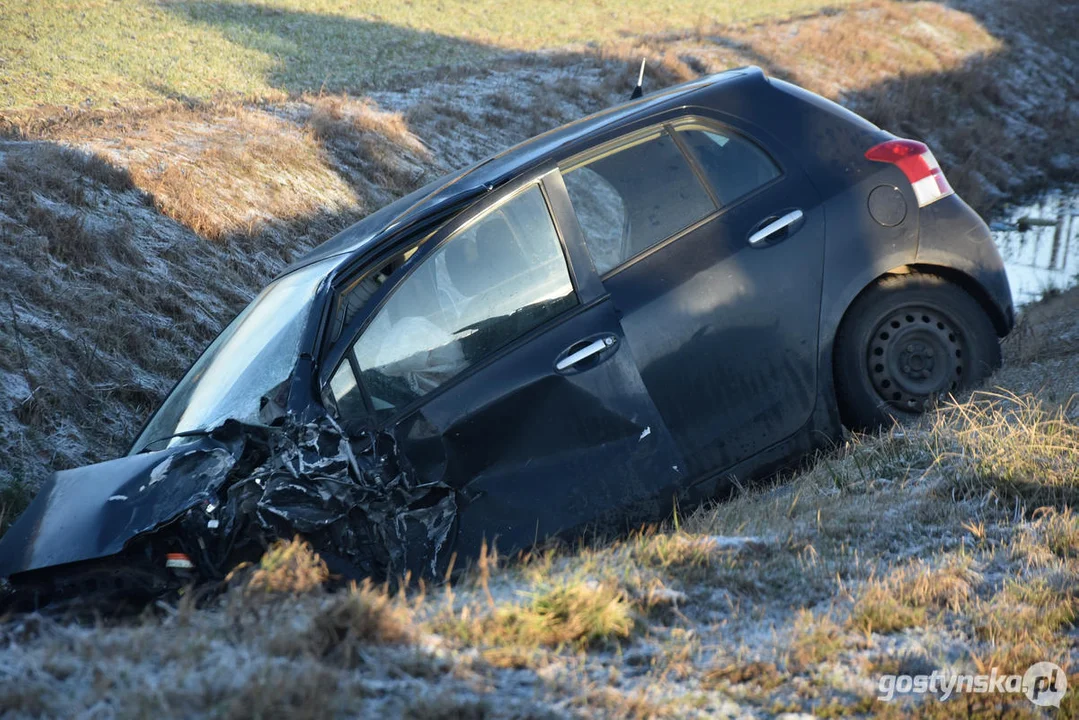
711,250
500,365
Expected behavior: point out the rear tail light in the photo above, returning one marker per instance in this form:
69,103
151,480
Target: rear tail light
918,164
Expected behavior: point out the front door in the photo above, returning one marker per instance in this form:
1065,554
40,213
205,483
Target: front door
505,373
711,250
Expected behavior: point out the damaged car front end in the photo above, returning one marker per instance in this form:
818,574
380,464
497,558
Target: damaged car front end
238,455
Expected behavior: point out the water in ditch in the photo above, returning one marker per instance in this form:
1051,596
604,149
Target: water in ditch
1039,242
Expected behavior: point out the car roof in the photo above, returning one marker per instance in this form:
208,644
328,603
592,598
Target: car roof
444,196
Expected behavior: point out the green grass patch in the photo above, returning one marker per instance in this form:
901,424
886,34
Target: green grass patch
100,52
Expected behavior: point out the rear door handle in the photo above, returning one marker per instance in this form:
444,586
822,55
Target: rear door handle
771,229
593,348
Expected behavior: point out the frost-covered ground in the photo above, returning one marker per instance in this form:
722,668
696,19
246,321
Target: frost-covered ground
118,266
947,546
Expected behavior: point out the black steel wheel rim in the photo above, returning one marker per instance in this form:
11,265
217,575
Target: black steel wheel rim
916,353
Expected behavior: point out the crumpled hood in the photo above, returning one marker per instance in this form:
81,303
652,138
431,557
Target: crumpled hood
240,487
93,511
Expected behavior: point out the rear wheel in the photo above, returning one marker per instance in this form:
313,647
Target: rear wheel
905,341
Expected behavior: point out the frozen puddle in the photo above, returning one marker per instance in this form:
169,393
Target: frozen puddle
1040,244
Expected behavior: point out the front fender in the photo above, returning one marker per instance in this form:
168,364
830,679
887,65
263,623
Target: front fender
94,511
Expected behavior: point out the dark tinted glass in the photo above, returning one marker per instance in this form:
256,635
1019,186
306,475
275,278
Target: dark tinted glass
733,165
632,199
494,280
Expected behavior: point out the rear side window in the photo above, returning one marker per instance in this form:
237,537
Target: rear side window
630,199
492,281
733,165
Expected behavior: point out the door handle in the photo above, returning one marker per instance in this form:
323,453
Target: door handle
593,348
761,236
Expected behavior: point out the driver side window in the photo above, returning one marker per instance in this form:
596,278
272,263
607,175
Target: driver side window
489,283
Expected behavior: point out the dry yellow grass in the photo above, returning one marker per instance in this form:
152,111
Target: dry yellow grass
844,52
289,566
814,638
576,613
1026,618
363,613
1016,449
229,170
908,594
226,170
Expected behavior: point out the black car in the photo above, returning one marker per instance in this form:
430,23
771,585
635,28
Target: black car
698,285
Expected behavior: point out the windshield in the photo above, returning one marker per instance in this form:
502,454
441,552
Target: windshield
254,354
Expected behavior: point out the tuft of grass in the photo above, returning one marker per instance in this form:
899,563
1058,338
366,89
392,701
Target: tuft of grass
1051,538
689,556
341,117
341,625
905,596
587,613
764,675
878,610
616,703
377,147
1028,613
363,614
446,707
273,693
1061,533
289,566
1013,448
814,639
577,613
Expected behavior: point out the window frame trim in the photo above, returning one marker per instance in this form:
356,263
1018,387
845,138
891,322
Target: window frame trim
695,122
671,126
426,247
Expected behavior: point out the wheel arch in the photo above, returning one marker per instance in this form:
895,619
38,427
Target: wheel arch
949,274
956,277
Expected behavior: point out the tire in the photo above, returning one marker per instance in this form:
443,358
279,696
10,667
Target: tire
904,342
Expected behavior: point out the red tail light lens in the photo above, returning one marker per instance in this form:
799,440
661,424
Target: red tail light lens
918,164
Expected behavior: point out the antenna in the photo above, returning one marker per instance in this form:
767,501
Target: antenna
639,90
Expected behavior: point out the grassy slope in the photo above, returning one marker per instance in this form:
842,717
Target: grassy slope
99,53
922,549
949,545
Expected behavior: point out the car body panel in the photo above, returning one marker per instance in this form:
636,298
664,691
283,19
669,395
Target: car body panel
498,431
536,452
954,237
92,512
725,334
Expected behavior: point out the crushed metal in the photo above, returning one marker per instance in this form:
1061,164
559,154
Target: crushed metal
355,500
219,500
